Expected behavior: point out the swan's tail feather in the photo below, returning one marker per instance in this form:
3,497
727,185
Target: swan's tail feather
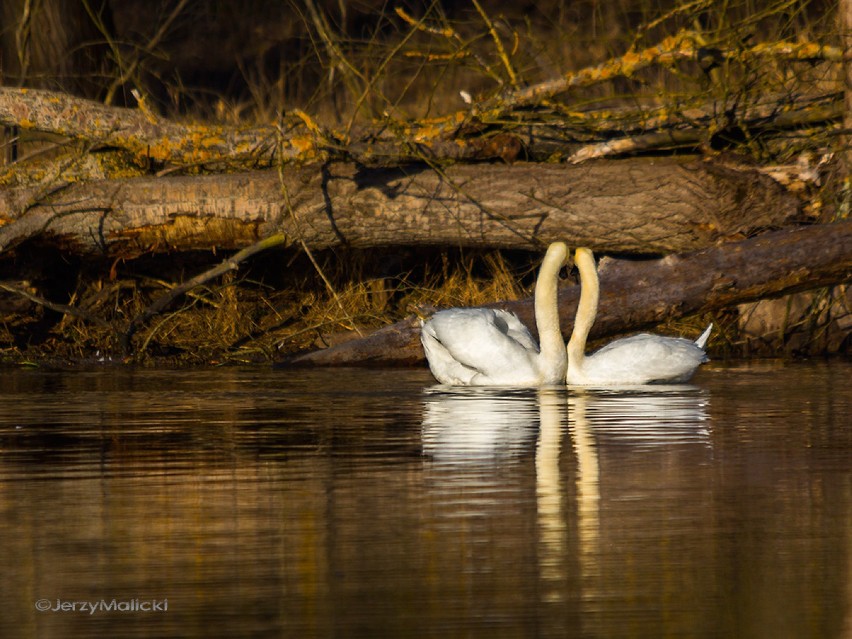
702,339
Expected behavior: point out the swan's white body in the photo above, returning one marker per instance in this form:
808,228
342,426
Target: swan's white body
640,359
483,346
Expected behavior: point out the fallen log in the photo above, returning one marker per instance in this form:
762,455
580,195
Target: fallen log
148,137
639,205
640,294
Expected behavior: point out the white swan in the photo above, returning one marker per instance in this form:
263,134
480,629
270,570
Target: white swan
640,359
483,346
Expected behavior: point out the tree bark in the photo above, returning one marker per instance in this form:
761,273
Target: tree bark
148,139
641,294
146,136
845,10
642,205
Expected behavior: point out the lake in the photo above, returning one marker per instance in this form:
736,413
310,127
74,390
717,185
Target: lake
252,502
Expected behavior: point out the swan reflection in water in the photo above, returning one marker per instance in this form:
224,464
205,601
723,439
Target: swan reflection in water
644,416
468,430
477,427
469,424
634,417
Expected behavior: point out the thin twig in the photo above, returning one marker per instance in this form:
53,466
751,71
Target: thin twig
127,73
292,213
449,33
155,329
22,39
350,73
371,83
501,51
693,8
230,264
54,306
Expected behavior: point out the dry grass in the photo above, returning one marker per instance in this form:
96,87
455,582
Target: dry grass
239,320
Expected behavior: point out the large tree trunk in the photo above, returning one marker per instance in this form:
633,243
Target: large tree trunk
643,205
639,294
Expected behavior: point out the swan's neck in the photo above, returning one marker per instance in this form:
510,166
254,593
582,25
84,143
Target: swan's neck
553,357
586,311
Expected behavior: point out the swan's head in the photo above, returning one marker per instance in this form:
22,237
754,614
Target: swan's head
558,252
583,257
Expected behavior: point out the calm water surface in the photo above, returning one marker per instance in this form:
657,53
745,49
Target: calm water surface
357,503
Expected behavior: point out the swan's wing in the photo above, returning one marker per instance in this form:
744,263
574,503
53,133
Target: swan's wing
644,359
516,330
445,368
478,346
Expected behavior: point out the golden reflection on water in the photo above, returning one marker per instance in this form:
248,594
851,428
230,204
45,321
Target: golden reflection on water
588,491
551,520
370,503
